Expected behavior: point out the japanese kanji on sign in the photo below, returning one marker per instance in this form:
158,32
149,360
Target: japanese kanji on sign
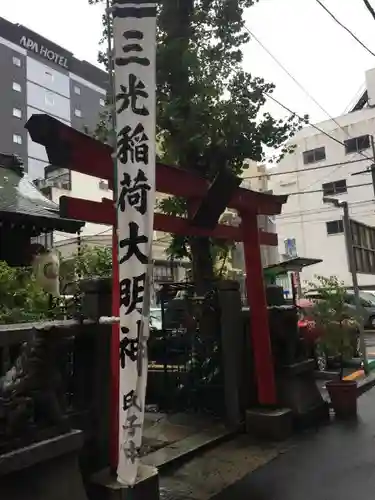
134,26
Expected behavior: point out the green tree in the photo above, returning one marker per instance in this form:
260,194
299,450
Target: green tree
337,324
21,298
209,110
90,262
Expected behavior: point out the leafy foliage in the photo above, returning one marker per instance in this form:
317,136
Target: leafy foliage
209,110
21,298
90,262
332,316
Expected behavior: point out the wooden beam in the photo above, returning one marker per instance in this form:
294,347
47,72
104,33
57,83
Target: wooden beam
104,213
69,148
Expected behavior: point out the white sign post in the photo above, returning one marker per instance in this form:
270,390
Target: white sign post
134,26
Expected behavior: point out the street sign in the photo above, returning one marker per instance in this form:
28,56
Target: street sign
290,246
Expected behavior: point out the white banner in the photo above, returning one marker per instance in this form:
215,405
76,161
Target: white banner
134,25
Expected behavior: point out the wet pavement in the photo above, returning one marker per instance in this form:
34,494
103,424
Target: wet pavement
214,470
163,429
335,463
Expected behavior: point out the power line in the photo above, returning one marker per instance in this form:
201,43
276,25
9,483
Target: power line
321,190
317,128
325,214
306,92
286,71
326,177
311,124
72,239
318,221
64,235
317,167
321,209
344,27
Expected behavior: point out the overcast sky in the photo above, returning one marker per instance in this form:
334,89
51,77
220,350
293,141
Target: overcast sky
315,50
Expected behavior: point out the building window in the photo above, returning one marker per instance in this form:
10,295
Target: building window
17,61
336,187
103,185
102,102
335,226
78,113
77,90
49,99
17,139
17,87
163,273
357,144
17,113
314,155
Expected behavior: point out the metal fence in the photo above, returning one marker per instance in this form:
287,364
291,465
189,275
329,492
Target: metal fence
68,362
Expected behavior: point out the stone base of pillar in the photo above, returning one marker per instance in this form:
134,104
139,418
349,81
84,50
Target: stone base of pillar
47,470
298,391
104,486
270,424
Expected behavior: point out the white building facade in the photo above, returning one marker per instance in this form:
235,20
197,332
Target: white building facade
322,165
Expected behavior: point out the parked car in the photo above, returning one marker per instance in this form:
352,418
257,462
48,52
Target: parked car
367,300
311,334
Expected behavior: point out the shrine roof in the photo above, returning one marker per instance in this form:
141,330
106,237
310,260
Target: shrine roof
292,264
20,199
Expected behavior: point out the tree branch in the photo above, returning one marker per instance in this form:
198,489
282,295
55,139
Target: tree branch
370,8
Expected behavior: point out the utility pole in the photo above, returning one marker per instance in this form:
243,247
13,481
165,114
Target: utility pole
353,271
373,162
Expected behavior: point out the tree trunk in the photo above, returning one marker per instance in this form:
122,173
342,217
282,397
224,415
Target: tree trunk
203,273
176,22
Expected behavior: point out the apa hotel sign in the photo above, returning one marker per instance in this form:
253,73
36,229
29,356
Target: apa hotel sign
43,51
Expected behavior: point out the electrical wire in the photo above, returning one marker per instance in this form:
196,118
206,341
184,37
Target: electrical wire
317,167
344,27
365,157
317,128
321,209
321,190
321,180
287,72
310,97
319,221
71,239
311,124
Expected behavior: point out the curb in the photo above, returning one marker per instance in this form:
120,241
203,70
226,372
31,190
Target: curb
181,451
366,384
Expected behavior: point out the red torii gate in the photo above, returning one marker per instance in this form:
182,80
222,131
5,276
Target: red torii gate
68,148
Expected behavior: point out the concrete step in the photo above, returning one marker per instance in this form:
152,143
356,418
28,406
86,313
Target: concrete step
185,449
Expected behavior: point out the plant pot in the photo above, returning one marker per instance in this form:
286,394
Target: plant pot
343,394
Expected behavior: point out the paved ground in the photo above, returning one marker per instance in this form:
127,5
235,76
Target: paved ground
162,429
214,470
370,343
336,463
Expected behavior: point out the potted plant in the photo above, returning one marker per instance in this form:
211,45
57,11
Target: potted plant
337,328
